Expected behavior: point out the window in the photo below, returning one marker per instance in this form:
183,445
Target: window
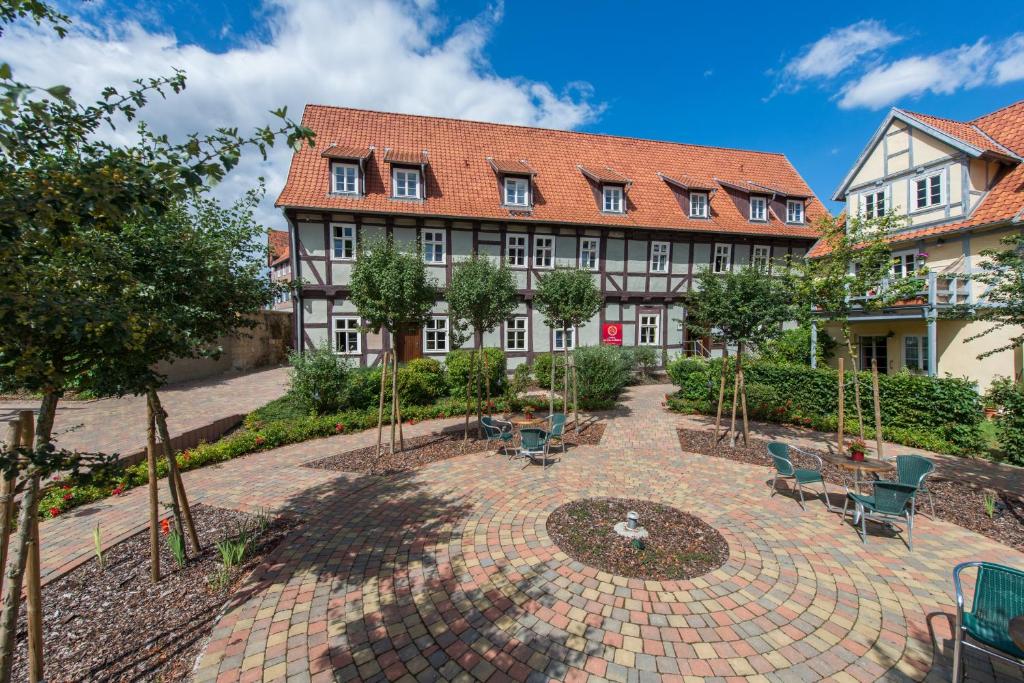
588,253
904,263
761,258
794,211
649,324
915,353
346,178
565,341
722,263
659,257
515,251
346,336
612,199
698,205
758,209
406,182
543,251
517,191
929,191
873,204
433,246
515,334
345,241
435,336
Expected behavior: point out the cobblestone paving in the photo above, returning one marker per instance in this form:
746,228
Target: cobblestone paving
448,573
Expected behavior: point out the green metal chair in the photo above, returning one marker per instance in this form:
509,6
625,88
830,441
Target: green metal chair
534,443
890,500
912,470
998,598
784,468
557,430
498,432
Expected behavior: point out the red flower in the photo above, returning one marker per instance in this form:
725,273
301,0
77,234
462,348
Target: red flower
68,496
412,420
66,487
117,492
54,512
165,526
260,440
340,427
186,456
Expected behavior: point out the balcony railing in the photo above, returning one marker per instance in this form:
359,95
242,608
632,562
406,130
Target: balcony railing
935,291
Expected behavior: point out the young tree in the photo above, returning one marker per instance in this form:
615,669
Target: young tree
744,307
480,296
567,298
1002,273
391,291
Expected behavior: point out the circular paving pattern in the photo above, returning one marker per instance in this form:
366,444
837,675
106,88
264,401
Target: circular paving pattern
449,573
675,544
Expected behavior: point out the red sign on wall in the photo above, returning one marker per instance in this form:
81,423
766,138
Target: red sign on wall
611,333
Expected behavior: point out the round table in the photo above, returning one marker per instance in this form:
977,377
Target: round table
527,421
1017,631
859,467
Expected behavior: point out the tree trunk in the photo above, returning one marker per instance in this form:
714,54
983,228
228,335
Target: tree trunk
13,441
394,396
476,366
14,572
33,589
565,370
487,382
743,396
880,444
154,407
842,405
735,402
551,394
380,404
575,399
469,400
154,498
174,474
856,383
721,394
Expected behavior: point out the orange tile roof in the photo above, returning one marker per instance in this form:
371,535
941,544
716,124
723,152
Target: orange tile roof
279,246
604,175
965,131
511,166
395,156
461,183
347,152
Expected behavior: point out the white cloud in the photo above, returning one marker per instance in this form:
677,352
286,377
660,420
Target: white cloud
379,54
839,50
1010,66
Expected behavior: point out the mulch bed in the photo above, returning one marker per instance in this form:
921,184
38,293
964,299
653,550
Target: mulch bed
116,625
956,502
423,450
679,545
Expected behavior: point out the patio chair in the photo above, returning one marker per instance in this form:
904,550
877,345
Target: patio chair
998,598
912,470
890,500
534,443
784,468
498,432
557,430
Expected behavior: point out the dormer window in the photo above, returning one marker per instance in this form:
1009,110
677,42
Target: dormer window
405,183
794,211
758,209
345,178
698,205
517,192
611,199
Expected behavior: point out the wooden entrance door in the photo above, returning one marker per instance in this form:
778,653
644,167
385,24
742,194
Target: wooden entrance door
409,346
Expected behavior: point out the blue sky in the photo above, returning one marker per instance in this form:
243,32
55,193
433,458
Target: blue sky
811,80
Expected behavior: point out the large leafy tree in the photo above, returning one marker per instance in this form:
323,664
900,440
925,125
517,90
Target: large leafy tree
1002,305
480,296
391,291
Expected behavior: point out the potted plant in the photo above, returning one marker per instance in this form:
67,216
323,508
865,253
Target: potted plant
857,449
528,411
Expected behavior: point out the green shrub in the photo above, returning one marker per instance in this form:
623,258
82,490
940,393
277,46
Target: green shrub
319,380
602,372
764,401
794,346
519,382
420,381
364,388
645,359
1009,422
458,364
542,370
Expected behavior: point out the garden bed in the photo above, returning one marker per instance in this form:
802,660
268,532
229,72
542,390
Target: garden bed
679,546
423,450
114,624
956,501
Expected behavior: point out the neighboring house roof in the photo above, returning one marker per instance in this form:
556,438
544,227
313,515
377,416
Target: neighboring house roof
467,158
1004,203
279,247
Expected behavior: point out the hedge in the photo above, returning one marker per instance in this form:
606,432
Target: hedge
1009,422
458,364
941,414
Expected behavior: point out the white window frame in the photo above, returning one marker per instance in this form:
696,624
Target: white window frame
921,341
763,214
349,330
795,211
644,324
905,258
516,182
617,197
538,251
764,257
702,208
591,247
347,242
660,251
518,328
875,211
555,337
926,179
430,241
355,178
520,249
430,332
409,173
724,250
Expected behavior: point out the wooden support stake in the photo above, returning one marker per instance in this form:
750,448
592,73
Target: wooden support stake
380,407
154,499
878,409
13,440
551,397
721,397
575,398
394,397
34,598
172,464
735,403
842,407
743,399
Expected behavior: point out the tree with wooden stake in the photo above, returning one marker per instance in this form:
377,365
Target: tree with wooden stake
851,275
567,298
391,291
481,295
743,308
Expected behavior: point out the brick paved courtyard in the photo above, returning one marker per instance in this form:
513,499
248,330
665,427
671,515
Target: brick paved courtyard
449,573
